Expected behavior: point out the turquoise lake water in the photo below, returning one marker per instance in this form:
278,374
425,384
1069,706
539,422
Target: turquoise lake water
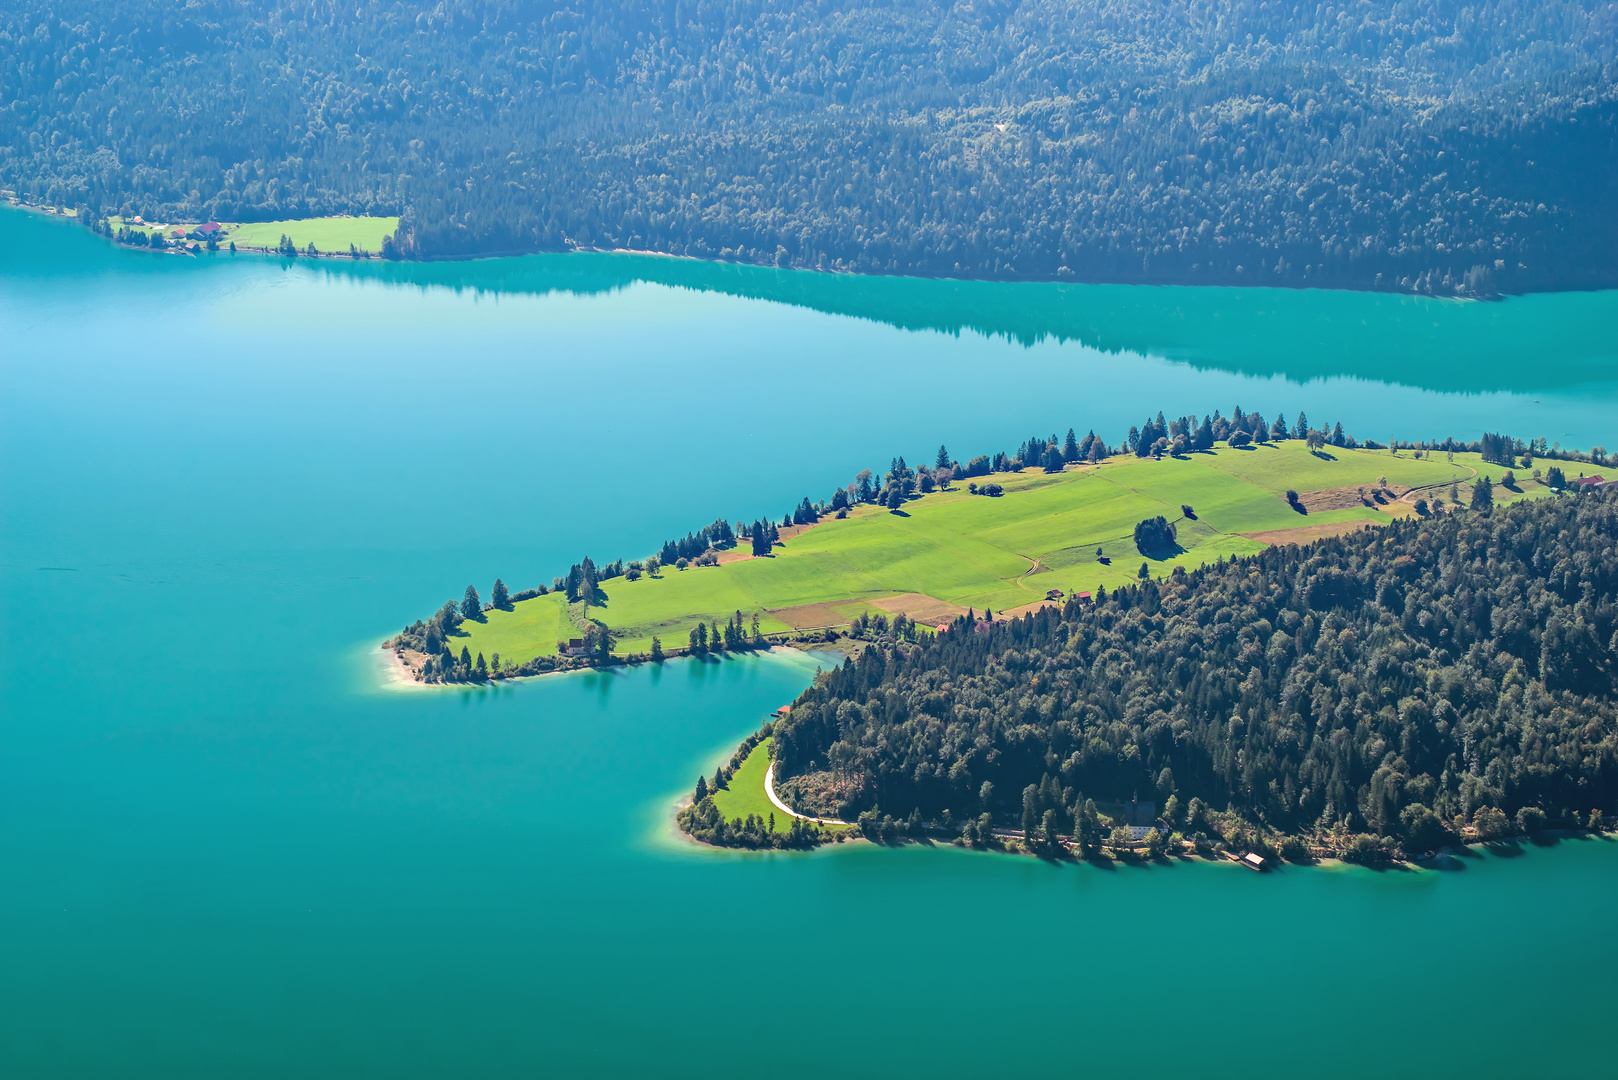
228,848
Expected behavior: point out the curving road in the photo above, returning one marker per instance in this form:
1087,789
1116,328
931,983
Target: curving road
769,789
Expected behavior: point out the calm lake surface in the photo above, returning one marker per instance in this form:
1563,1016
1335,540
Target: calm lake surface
228,849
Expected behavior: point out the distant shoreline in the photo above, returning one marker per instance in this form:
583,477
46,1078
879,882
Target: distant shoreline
571,248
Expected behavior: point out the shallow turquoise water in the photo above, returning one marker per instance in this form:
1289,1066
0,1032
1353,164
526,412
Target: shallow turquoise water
227,849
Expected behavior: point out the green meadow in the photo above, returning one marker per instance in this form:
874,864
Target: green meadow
328,233
745,793
973,551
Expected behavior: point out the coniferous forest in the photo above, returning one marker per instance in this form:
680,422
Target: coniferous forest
1417,145
1387,691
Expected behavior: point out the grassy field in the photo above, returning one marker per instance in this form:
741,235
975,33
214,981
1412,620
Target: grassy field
745,795
329,233
971,551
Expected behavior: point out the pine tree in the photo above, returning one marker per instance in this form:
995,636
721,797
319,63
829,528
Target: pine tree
1070,449
471,606
482,668
657,653
702,789
498,596
942,460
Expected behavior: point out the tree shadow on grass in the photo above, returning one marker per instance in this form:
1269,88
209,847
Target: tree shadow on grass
898,513
1322,455
1163,554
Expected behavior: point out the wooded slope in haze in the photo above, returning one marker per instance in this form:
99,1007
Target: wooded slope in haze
1420,144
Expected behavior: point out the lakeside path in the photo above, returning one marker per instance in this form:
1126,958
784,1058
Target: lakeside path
769,790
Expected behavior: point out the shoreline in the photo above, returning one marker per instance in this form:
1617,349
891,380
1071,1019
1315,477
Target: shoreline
397,673
1166,282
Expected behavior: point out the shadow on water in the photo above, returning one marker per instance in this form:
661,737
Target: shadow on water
1435,344
1540,342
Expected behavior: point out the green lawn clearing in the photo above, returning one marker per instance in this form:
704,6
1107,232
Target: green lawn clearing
327,233
971,551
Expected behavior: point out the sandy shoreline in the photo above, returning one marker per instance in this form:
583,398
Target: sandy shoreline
396,674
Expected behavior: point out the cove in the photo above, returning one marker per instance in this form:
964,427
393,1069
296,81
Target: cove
229,848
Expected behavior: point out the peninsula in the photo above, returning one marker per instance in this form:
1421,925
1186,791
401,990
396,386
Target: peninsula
1000,535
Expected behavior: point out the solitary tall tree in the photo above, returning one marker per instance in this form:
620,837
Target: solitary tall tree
498,596
657,656
1070,448
471,606
942,461
1030,811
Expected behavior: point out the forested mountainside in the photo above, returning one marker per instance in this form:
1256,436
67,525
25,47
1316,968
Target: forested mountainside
1422,145
1396,683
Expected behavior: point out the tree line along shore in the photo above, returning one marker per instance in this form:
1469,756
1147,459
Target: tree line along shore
896,554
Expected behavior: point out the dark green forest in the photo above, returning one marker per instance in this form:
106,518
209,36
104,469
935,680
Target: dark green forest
1419,145
1386,691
